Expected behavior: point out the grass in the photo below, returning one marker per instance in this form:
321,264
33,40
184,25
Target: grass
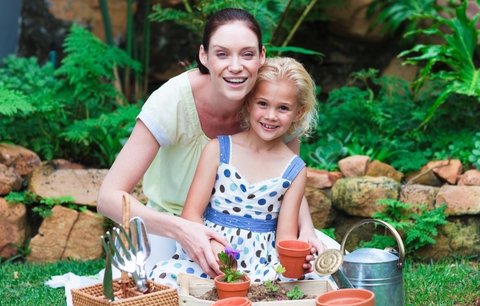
448,282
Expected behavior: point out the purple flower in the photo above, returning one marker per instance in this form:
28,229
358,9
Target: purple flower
235,254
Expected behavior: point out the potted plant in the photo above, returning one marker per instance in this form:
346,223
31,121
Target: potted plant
292,254
232,283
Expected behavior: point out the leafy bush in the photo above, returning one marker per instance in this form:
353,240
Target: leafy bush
418,229
48,110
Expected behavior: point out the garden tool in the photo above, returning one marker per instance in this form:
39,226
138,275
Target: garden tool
141,246
328,263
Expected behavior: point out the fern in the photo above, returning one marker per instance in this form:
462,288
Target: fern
418,229
13,102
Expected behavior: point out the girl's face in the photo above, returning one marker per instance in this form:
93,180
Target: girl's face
233,60
273,108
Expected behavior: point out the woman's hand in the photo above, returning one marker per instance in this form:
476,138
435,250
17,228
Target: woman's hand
195,239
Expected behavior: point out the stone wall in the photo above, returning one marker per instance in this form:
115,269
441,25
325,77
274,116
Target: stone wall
337,199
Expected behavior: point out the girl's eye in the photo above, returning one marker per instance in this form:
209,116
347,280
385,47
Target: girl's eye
284,108
262,104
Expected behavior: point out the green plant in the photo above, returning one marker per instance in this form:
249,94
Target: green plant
474,157
391,15
47,109
328,153
452,62
272,286
42,206
419,229
278,19
228,264
295,293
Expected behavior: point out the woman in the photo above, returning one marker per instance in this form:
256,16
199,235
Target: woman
176,123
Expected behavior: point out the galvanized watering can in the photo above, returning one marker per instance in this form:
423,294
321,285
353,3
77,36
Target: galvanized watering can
380,271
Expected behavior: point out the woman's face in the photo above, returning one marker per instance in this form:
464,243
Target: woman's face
233,60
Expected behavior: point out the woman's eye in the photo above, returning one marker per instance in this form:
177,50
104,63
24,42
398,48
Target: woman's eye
221,54
248,55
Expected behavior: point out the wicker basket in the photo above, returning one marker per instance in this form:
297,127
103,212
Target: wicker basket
158,295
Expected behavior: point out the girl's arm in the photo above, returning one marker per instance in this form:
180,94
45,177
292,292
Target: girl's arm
306,230
202,184
287,226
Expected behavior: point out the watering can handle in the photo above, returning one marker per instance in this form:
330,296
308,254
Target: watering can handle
401,248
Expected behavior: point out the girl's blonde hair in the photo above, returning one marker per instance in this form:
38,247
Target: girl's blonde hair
286,68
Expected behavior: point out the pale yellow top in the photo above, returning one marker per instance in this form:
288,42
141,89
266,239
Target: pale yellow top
171,116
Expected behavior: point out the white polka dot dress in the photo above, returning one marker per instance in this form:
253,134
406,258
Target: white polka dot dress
246,214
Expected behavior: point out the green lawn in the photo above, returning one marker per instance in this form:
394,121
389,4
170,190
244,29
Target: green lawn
449,282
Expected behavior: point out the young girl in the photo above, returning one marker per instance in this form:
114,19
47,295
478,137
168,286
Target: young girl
249,186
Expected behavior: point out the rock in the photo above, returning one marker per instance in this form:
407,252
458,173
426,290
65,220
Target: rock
470,178
321,179
9,180
377,168
349,19
13,227
459,237
447,170
50,242
423,177
460,200
418,196
19,158
84,240
320,207
358,196
396,68
353,166
82,184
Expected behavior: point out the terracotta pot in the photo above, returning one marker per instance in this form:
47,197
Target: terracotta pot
346,297
233,301
236,289
292,255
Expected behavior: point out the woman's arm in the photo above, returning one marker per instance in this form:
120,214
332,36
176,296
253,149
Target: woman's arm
128,168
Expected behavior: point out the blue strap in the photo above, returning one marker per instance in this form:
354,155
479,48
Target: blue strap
224,142
249,224
294,168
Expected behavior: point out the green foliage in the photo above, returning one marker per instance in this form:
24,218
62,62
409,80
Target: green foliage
42,206
418,229
474,157
452,63
272,286
328,152
52,111
330,232
391,15
278,19
379,117
295,293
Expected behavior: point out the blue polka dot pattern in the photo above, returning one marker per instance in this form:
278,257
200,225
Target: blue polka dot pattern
261,201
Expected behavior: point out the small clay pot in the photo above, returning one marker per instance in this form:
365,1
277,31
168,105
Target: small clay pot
346,297
235,289
292,255
233,301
